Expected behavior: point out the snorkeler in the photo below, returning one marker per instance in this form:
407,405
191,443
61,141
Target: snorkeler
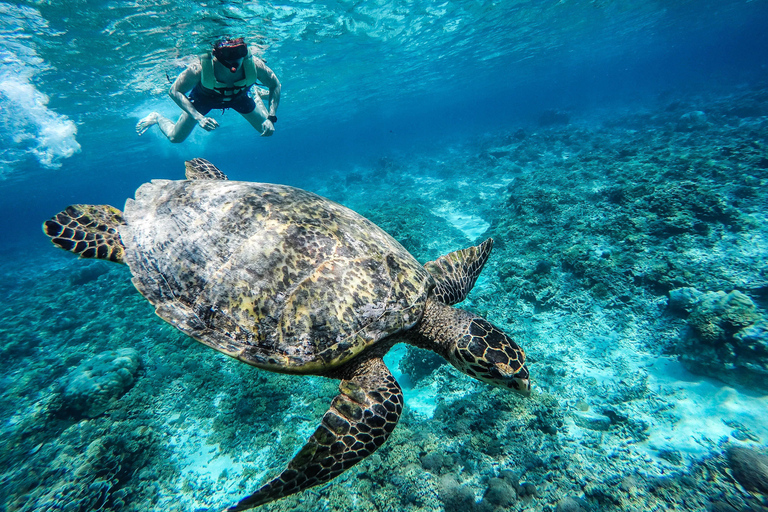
222,80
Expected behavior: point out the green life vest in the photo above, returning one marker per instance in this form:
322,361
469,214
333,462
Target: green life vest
212,86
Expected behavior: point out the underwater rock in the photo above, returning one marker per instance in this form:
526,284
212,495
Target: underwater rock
455,496
571,504
690,121
547,415
717,316
683,299
542,267
92,387
728,338
754,338
749,468
501,492
527,490
435,461
591,420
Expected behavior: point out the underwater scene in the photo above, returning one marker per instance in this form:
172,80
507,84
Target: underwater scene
471,256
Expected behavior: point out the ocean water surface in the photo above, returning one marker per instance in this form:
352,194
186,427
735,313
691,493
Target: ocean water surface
616,152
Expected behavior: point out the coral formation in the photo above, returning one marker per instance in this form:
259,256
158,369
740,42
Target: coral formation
502,491
695,120
418,364
456,497
93,386
728,338
750,468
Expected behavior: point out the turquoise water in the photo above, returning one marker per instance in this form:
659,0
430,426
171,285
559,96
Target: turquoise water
617,152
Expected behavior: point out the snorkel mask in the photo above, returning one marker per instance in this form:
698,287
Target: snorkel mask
229,51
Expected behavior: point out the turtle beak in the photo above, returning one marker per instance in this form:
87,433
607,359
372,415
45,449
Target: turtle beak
519,381
522,386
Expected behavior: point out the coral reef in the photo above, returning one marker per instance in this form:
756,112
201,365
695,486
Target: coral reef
728,338
696,120
418,364
750,469
91,388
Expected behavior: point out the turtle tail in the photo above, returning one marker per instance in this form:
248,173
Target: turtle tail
88,230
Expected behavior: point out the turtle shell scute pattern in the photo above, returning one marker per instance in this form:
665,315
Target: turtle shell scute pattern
273,275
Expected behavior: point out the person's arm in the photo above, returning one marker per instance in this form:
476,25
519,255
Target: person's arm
269,79
184,83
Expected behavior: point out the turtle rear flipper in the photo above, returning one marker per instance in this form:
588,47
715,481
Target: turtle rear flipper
202,169
88,230
359,421
456,272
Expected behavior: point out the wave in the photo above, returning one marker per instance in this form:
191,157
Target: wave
27,125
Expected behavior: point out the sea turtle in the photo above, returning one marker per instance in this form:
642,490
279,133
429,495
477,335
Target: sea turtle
288,281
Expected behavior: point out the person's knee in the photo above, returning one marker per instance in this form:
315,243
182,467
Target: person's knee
176,138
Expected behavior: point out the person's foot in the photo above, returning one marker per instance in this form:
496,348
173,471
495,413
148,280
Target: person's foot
145,123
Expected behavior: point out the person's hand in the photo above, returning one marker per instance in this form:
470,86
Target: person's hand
208,123
267,128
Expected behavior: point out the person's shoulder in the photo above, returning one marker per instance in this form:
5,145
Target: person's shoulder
256,58
193,70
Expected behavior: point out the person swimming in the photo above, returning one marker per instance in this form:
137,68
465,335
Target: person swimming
220,80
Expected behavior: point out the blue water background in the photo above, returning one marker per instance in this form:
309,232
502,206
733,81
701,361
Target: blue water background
583,57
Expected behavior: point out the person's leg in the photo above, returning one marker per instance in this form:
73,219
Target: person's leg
145,123
256,119
176,132
253,111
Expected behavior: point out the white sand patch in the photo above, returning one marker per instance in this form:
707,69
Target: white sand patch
198,459
209,475
420,400
471,225
686,416
703,410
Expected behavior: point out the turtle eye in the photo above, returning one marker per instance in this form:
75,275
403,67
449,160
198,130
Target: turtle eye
505,370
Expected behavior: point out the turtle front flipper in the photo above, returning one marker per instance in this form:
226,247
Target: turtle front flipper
359,421
88,230
455,273
202,169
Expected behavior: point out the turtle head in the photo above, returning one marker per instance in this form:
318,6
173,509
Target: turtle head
486,353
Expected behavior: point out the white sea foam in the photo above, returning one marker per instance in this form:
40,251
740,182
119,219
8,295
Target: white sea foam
27,124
